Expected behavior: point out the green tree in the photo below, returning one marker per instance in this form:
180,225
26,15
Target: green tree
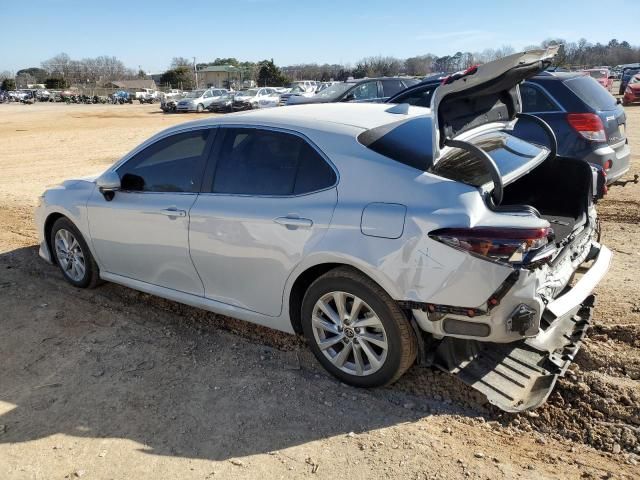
179,77
56,83
39,74
269,74
8,84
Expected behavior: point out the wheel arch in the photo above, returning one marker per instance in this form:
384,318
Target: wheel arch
305,278
48,226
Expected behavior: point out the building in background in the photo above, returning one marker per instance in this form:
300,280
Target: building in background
220,76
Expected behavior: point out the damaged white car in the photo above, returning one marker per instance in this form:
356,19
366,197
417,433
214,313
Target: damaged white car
384,234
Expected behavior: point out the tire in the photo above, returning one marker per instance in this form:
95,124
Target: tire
379,320
64,232
199,108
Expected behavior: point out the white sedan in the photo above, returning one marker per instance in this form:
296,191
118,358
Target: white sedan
386,235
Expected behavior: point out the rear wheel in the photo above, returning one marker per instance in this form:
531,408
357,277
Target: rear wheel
72,255
355,330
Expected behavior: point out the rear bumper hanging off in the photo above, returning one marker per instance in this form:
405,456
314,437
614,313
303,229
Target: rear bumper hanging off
518,376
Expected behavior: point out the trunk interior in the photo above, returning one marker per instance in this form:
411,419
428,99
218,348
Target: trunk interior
560,189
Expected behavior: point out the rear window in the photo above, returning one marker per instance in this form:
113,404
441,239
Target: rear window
406,141
591,92
509,153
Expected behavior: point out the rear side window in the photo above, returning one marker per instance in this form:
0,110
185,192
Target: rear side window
591,92
253,161
391,87
173,164
535,100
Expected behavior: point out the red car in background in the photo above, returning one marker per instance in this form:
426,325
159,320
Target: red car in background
602,75
632,92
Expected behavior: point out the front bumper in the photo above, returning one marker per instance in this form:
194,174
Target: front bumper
520,375
185,108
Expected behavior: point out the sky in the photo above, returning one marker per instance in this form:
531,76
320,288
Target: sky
148,34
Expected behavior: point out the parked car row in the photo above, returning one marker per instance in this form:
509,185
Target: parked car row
367,90
384,233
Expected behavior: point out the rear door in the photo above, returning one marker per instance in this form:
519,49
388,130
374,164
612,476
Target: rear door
268,198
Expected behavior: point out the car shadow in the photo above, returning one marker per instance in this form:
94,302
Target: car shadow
100,364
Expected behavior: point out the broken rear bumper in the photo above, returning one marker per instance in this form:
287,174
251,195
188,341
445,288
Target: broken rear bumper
520,375
516,376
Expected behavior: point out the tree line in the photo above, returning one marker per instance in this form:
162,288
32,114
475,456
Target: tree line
62,71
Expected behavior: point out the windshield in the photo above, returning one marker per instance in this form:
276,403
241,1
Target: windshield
297,89
591,92
195,94
248,93
597,73
334,91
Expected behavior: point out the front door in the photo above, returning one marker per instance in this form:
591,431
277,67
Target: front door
271,199
143,232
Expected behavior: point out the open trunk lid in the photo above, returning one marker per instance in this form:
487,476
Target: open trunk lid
483,94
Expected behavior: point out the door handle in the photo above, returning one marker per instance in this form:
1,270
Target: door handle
173,212
294,222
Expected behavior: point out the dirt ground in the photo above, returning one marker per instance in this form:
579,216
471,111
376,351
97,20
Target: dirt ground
115,384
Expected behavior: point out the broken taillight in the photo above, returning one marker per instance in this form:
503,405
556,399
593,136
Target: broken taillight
507,245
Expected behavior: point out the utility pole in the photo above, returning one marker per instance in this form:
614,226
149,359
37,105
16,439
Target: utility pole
195,69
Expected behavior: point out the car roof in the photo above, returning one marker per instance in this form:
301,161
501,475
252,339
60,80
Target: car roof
557,75
367,79
319,117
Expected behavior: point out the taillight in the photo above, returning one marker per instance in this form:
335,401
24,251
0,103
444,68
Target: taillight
588,125
508,245
608,164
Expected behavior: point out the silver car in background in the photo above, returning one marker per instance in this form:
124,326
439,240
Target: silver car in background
199,100
384,234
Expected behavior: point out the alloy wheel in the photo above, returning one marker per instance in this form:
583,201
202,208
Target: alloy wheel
349,333
70,255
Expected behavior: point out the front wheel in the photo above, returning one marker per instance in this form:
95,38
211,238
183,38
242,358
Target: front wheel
356,330
72,255
199,108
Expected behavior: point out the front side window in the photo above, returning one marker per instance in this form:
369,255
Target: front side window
253,161
173,164
534,100
366,91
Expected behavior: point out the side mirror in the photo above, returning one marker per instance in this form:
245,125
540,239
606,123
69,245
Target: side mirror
108,184
349,98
